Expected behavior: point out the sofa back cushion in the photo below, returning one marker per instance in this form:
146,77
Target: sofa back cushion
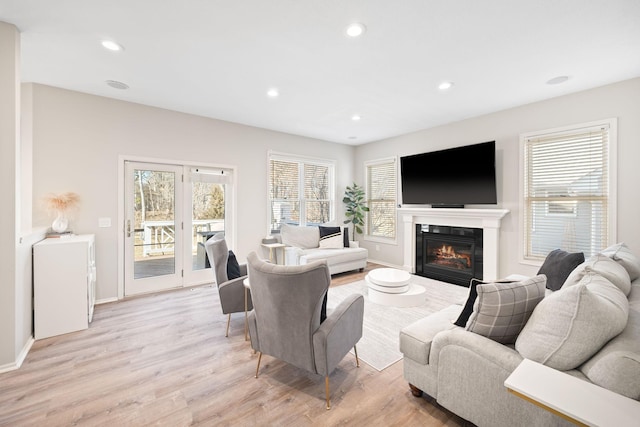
623,255
617,365
604,266
571,325
300,236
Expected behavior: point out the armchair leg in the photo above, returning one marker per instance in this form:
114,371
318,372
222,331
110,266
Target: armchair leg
258,367
355,350
228,322
326,389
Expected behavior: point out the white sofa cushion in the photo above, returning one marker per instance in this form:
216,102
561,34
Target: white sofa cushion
606,267
333,256
621,254
572,324
300,236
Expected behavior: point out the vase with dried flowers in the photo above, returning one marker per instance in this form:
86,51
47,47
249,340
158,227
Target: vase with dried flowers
61,205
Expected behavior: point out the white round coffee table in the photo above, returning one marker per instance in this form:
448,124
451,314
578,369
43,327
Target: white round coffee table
389,280
391,286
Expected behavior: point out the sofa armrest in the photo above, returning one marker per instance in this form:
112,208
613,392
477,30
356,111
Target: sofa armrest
498,354
292,255
416,339
338,334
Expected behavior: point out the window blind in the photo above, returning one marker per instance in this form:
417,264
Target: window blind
299,191
566,191
382,198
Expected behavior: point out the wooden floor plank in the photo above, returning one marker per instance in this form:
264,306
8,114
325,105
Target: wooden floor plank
163,359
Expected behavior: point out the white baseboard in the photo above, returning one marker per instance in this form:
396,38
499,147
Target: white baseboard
106,300
386,264
18,362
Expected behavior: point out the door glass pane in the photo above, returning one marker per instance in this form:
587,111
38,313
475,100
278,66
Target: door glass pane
208,219
154,223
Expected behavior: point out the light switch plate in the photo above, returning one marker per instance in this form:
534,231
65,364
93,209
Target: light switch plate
104,222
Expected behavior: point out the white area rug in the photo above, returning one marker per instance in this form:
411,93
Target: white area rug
379,345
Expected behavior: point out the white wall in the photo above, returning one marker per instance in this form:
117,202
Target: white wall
621,100
77,139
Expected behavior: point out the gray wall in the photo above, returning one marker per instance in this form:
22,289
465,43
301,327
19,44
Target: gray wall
78,138
621,100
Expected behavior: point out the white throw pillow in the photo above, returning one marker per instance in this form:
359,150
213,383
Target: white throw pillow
571,325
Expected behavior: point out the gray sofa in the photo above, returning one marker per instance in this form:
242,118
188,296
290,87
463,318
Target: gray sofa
303,247
590,329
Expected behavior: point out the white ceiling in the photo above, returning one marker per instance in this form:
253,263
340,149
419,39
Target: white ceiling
218,58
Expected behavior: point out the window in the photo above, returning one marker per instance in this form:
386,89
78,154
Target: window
381,198
569,189
300,191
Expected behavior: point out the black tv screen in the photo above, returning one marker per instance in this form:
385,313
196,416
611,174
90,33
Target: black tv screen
452,177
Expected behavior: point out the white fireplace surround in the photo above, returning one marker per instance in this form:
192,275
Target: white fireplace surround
487,219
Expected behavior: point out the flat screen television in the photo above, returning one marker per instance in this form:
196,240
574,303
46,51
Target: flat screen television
450,178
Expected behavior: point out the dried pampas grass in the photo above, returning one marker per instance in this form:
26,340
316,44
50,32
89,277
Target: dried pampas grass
61,203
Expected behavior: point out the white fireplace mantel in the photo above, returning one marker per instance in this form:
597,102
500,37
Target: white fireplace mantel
487,219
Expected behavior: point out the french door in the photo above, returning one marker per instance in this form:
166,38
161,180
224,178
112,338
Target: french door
153,227
170,212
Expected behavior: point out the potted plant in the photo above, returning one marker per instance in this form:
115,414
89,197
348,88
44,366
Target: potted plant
356,206
61,206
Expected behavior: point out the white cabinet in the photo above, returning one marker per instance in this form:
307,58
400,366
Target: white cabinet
64,284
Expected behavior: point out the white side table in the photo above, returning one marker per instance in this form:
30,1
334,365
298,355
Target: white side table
273,251
576,400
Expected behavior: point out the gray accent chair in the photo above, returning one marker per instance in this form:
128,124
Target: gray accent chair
285,321
232,292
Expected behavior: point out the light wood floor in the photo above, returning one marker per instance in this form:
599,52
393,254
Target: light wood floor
163,359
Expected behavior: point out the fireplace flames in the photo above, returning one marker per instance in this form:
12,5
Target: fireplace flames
448,257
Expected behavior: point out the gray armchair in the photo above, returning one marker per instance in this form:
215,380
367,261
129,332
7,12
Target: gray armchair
232,292
285,321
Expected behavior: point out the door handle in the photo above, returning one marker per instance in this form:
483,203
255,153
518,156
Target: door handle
128,228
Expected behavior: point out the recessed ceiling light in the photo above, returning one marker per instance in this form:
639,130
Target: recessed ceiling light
356,29
355,117
353,137
557,80
273,93
111,45
445,85
117,85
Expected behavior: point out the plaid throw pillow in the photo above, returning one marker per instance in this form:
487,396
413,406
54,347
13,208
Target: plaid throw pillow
502,309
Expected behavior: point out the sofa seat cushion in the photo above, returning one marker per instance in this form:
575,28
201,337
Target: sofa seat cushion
333,256
571,325
416,339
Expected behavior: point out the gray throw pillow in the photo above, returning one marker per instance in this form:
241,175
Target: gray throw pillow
623,255
558,265
502,309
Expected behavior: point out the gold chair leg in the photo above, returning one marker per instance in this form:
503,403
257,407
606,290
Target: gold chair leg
355,350
228,322
326,389
258,367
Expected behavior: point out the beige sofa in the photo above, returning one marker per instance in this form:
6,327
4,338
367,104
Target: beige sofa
303,246
575,329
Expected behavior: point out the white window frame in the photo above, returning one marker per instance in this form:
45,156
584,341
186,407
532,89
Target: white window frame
301,160
366,235
612,124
